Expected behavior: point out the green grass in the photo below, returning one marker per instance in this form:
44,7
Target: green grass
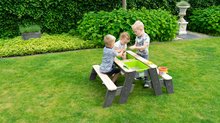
56,87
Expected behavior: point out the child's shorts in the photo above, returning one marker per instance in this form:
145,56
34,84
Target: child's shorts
113,71
144,56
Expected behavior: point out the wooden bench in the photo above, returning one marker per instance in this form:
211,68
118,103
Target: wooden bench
154,72
111,87
167,82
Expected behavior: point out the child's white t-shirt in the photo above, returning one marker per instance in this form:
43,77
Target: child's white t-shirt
118,45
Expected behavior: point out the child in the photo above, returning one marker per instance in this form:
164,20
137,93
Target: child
142,42
121,45
107,66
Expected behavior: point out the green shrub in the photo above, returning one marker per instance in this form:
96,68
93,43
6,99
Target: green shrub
54,16
29,28
202,4
159,24
58,16
45,44
206,21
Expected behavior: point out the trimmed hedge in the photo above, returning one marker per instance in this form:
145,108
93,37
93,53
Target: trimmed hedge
45,44
200,4
58,16
206,21
203,3
159,24
54,16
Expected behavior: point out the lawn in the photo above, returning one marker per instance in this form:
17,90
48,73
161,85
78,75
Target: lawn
56,87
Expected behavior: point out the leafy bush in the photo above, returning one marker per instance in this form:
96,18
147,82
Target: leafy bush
29,28
45,44
54,16
58,16
202,4
206,20
159,24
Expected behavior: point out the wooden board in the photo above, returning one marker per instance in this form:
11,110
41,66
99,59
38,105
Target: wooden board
106,80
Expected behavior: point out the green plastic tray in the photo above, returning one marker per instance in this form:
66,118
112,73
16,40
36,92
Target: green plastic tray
136,65
128,56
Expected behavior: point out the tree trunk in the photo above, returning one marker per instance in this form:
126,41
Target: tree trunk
124,4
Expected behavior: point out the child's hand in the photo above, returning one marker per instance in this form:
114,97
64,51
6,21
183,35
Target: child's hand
132,47
120,54
122,50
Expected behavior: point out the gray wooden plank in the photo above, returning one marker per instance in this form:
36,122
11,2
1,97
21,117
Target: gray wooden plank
93,74
155,81
105,79
169,86
129,78
109,97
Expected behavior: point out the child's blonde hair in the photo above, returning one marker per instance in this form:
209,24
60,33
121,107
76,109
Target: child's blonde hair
109,39
125,35
138,25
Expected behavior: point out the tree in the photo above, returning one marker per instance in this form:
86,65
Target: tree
124,4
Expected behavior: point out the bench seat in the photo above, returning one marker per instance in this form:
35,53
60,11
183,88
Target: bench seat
111,87
105,79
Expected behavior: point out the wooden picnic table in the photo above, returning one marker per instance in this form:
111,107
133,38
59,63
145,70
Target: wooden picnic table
130,74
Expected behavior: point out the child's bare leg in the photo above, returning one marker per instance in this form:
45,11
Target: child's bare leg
115,77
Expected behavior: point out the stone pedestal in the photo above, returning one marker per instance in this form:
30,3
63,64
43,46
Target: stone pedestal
29,35
182,27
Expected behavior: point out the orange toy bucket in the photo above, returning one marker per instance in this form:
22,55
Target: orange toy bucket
163,70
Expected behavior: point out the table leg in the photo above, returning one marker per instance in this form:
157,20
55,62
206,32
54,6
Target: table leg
109,97
169,86
155,81
129,78
93,74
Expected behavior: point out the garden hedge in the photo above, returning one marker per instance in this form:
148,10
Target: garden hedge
54,16
58,16
159,24
206,20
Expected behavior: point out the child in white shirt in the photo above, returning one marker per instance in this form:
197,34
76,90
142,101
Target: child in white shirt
121,45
